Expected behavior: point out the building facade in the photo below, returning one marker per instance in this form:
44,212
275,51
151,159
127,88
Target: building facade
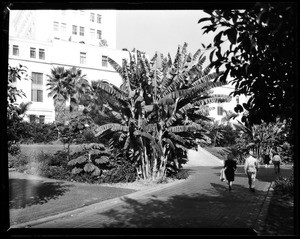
43,39
220,110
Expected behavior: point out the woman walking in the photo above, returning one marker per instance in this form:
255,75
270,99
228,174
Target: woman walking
267,158
230,167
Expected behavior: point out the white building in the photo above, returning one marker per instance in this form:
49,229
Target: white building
43,39
219,110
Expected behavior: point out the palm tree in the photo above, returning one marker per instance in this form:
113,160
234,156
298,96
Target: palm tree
160,121
58,85
66,87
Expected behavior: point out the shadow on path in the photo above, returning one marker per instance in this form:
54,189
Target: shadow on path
188,211
24,192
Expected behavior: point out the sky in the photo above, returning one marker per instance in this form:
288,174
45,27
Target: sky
160,30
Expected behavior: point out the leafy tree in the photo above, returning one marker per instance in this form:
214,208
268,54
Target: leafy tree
14,112
161,111
260,57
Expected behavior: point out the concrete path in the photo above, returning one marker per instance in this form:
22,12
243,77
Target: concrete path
202,157
201,201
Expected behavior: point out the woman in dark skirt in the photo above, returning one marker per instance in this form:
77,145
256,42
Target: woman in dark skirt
230,167
267,158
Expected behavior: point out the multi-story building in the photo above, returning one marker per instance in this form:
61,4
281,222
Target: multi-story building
43,39
220,110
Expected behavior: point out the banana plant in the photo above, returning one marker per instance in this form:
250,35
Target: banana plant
161,113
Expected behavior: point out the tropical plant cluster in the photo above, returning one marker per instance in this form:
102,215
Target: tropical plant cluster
277,135
160,110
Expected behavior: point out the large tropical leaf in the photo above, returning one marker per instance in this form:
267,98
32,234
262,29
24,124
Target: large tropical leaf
111,89
102,160
89,167
113,127
79,160
116,66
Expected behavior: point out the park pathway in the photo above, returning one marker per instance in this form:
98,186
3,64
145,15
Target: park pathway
201,201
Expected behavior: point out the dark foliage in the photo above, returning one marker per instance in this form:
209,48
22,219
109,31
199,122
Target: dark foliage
37,132
261,57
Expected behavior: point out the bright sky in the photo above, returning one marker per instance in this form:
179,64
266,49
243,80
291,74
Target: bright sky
160,30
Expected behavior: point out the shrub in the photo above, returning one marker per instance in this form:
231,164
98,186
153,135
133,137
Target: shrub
182,174
37,133
18,162
284,185
14,148
56,172
120,174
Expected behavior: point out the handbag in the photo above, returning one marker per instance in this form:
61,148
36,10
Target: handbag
222,175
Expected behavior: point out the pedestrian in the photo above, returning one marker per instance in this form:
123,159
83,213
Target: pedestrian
251,169
267,158
230,168
276,161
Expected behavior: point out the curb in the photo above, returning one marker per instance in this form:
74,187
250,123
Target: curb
103,205
260,222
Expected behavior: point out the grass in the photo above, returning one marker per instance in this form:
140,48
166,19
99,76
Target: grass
32,198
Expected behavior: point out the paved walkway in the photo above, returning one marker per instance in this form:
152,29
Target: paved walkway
201,201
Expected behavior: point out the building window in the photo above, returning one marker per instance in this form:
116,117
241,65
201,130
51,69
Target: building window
98,18
36,95
42,119
99,34
42,54
37,87
92,31
82,58
220,110
32,52
15,50
104,61
63,27
81,31
55,26
74,30
92,17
